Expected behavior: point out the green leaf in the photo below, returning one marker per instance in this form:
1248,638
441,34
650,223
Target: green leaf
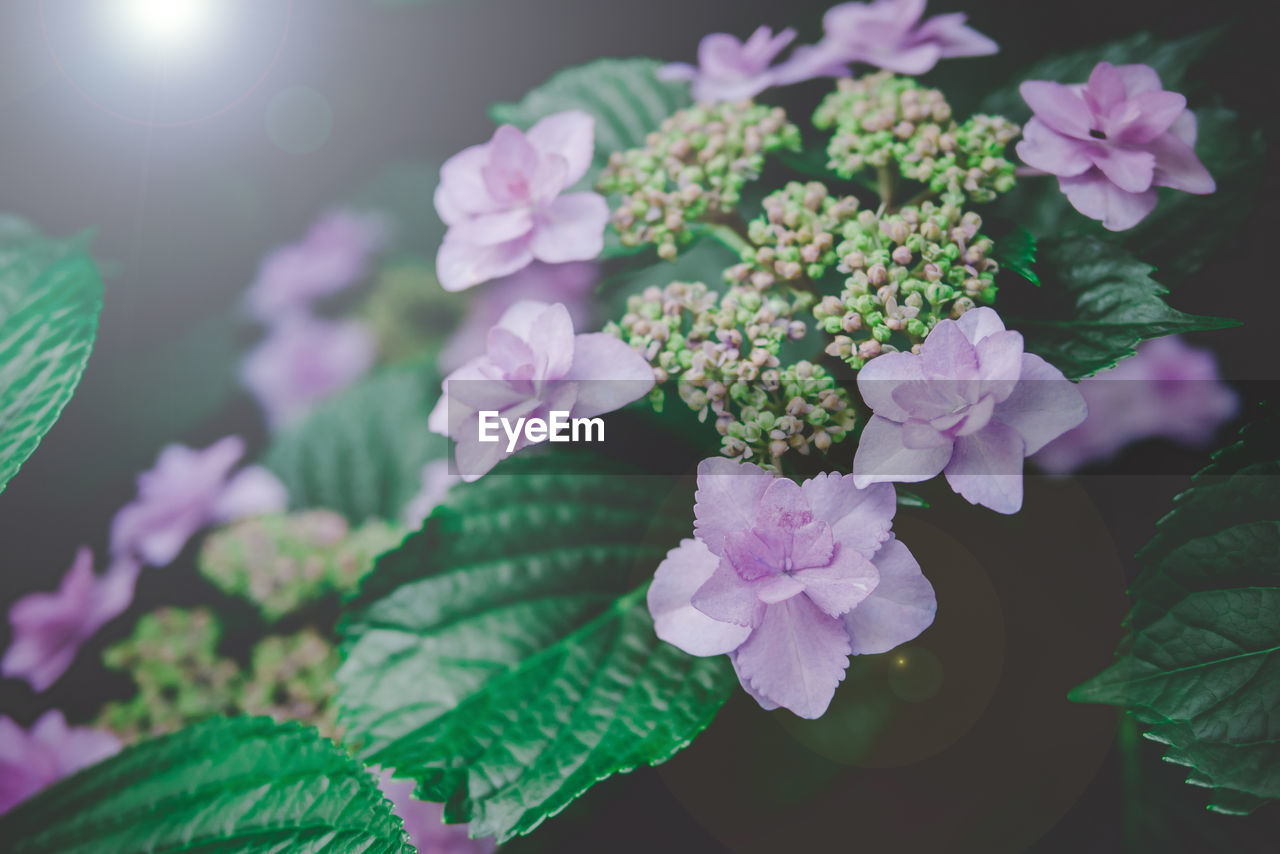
1201,664
243,785
50,297
625,97
1171,58
1016,251
1097,305
498,658
361,453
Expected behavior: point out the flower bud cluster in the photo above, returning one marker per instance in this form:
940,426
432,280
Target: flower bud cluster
723,352
905,272
172,657
882,120
292,679
692,169
283,562
796,236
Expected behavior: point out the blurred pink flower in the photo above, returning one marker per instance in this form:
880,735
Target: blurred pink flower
303,360
1168,391
424,822
890,35
48,628
506,206
186,491
1112,141
570,284
32,760
730,70
334,255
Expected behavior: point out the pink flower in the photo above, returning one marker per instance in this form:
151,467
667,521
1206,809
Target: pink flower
48,628
889,34
1112,141
31,760
505,205
334,255
1168,390
424,822
302,361
730,70
571,284
187,491
971,403
789,581
534,365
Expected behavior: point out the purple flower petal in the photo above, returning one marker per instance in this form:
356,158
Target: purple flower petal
882,456
609,374
859,518
1058,107
727,499
1178,167
684,570
32,760
796,657
461,265
1043,406
571,228
1044,148
986,468
570,135
1097,198
840,586
728,598
902,605
1130,170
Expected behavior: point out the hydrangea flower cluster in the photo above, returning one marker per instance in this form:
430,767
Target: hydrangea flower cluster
796,237
692,170
291,678
789,580
181,677
905,271
724,353
883,121
173,658
283,562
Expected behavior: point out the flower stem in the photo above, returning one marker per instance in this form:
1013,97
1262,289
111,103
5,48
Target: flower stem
732,237
886,183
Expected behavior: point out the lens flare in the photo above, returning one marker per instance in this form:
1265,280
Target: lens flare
171,27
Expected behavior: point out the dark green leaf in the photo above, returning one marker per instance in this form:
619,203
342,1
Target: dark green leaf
50,297
503,629
361,453
907,498
1201,664
1097,304
1016,251
242,785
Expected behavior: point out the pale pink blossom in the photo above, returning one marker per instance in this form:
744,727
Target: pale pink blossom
31,760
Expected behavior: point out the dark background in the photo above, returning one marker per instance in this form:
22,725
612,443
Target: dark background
183,214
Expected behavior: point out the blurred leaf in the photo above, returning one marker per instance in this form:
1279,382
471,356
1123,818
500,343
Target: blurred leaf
1201,664
493,659
1098,303
361,452
50,298
243,785
1016,251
